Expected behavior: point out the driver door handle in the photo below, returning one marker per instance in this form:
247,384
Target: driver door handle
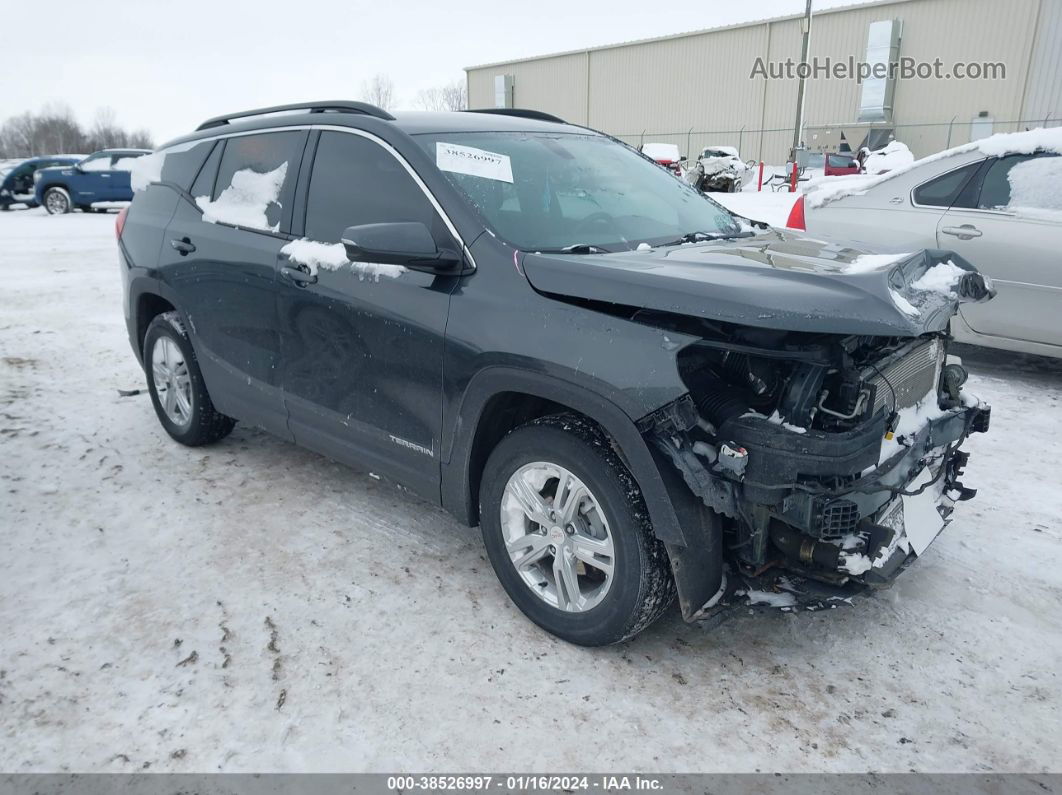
184,246
298,276
964,232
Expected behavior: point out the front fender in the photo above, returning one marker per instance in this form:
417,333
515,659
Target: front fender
456,481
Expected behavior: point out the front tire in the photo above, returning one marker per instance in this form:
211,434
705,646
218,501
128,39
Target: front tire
57,201
568,534
176,385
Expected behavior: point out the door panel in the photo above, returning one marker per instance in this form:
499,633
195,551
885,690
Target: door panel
1016,246
226,289
1017,254
361,353
224,277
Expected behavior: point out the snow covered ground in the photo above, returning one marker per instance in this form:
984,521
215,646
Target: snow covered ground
252,606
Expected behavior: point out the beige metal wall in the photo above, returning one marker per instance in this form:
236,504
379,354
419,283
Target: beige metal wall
696,90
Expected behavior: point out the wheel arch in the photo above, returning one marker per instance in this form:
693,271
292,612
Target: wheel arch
500,398
149,305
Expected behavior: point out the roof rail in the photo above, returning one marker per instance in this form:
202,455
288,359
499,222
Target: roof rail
338,106
523,113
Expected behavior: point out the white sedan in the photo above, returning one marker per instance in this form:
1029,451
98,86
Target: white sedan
997,202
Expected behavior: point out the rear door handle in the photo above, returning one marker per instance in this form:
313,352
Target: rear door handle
964,232
184,246
298,276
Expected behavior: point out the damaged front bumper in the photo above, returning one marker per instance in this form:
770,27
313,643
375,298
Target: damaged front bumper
814,518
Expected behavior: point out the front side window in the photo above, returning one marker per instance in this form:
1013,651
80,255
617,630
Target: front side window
256,180
553,191
99,162
356,181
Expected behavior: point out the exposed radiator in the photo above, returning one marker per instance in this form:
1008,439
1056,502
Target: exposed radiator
910,378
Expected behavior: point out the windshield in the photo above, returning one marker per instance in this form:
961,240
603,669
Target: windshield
549,192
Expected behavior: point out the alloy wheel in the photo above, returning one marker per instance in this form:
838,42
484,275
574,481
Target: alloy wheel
169,372
557,537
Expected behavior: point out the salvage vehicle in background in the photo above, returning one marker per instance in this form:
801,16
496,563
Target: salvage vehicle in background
719,168
997,202
634,392
16,182
100,177
836,164
666,155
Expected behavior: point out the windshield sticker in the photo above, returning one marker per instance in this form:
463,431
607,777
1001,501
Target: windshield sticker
474,162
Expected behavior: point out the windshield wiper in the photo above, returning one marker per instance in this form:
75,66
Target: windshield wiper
701,237
581,248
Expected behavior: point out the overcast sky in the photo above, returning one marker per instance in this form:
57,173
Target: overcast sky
165,65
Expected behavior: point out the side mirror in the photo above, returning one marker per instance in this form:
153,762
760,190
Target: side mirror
407,243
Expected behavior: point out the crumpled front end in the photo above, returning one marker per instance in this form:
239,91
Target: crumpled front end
835,462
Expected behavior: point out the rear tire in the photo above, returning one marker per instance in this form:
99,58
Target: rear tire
176,385
634,584
57,201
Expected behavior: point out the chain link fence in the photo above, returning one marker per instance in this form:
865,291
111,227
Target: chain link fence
773,145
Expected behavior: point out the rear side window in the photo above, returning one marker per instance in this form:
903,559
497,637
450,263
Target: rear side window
181,167
1021,181
356,181
204,182
840,161
256,180
943,190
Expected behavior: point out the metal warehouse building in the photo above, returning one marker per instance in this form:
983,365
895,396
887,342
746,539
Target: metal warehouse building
697,89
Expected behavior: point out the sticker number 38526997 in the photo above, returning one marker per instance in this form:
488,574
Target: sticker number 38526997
474,162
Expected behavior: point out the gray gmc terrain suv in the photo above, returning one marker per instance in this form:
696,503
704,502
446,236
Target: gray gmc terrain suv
634,392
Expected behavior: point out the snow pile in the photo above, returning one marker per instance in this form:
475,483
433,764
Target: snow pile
246,201
776,419
333,256
893,157
770,598
941,278
910,421
145,170
872,262
662,152
822,191
1036,188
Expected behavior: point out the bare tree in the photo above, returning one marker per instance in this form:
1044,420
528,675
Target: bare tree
379,91
452,96
55,131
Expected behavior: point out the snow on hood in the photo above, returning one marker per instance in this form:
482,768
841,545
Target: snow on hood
826,189
246,201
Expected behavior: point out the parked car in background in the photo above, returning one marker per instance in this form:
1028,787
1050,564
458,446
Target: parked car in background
719,168
100,177
837,165
16,182
667,155
997,202
634,392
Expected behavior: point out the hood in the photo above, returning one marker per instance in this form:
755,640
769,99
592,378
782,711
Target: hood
774,280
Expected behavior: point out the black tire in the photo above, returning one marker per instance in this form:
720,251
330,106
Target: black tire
642,587
58,203
206,424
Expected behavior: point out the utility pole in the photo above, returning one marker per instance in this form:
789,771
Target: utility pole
804,48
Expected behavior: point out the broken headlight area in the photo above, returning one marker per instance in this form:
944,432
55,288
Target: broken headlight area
833,459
